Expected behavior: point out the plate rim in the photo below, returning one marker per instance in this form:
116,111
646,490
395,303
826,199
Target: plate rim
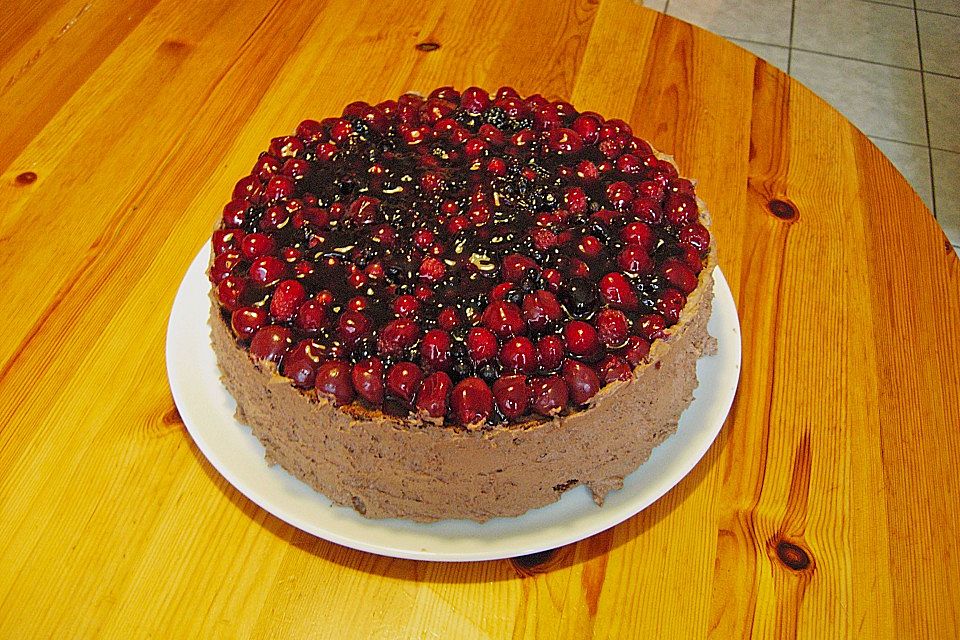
193,288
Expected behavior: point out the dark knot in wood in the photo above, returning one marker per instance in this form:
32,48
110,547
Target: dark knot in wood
25,178
428,46
783,209
793,556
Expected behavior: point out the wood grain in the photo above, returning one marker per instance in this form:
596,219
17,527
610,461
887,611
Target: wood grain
826,508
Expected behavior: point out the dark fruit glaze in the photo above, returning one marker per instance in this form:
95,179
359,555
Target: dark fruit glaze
472,258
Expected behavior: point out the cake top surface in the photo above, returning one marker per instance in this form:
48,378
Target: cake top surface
468,258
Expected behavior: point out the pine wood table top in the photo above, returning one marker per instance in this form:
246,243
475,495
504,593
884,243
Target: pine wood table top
826,508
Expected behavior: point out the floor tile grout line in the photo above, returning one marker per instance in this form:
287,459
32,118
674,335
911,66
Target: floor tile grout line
793,13
942,75
926,116
912,144
900,6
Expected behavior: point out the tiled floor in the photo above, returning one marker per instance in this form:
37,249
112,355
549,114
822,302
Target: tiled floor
891,66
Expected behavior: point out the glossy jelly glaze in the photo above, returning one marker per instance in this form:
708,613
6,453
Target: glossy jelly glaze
469,258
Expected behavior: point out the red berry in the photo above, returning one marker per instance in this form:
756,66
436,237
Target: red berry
647,210
448,319
406,306
364,210
223,265
333,381
267,270
640,234
311,316
474,100
670,304
432,270
681,209
564,141
503,318
403,381
246,320
550,352
518,355
636,350
541,309
278,188
650,189
435,350
635,259
481,344
588,127
695,236
230,291
515,267
226,240
271,342
353,326
472,401
287,298
691,258
612,327
248,187
651,326
397,335
679,275
629,164
617,292
548,396
590,247
614,368
301,363
434,395
587,171
582,381
581,338
367,377
512,395
491,134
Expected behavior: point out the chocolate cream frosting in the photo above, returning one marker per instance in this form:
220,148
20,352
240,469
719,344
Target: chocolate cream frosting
386,467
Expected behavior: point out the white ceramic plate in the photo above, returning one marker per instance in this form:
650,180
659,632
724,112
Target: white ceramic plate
207,411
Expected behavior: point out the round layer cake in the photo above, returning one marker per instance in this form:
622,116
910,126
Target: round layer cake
461,305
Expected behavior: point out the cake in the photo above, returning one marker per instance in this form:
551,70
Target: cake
461,305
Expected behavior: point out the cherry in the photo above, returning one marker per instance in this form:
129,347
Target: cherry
582,381
518,355
230,291
612,327
588,128
635,259
614,368
333,381
681,209
278,188
367,378
267,270
481,344
636,350
223,265
246,320
670,304
403,381
271,342
651,326
550,352
515,267
406,306
397,336
581,338
639,234
617,292
287,298
311,316
679,275
448,319
226,240
300,364
541,309
695,236
548,396
474,99
471,401
432,270
353,326
435,350
647,210
564,141
512,395
504,319
434,395
619,194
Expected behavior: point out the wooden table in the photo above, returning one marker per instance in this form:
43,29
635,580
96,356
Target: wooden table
827,507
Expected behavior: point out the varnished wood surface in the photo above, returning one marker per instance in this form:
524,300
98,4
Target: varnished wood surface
827,507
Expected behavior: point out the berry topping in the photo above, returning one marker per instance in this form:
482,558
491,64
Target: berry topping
474,257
